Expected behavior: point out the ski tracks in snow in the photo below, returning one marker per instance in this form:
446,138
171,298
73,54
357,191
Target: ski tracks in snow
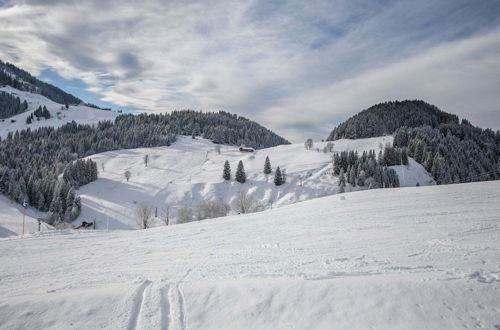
159,306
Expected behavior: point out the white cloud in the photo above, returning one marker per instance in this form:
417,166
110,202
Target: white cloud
296,67
461,77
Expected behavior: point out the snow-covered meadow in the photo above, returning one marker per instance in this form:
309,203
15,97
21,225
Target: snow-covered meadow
407,258
190,172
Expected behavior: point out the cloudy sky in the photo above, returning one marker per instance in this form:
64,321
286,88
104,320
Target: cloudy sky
297,67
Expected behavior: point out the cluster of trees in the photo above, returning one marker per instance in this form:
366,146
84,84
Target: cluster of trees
240,174
241,177
42,112
453,153
38,113
393,156
242,203
224,128
450,150
365,170
385,118
80,172
11,105
13,76
279,174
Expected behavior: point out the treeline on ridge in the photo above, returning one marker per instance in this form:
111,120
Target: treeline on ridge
15,77
450,150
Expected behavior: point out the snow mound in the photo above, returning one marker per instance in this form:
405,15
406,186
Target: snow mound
80,114
190,172
407,258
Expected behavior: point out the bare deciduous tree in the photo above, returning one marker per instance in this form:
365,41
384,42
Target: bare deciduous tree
144,215
245,203
165,214
127,175
211,209
102,166
146,159
185,214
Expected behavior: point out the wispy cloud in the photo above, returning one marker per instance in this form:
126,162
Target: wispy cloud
297,67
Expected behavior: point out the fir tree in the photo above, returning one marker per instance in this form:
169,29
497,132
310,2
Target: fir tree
278,179
267,166
226,174
241,177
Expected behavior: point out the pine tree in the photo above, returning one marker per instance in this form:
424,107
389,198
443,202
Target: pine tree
226,174
352,176
267,166
241,177
70,199
278,179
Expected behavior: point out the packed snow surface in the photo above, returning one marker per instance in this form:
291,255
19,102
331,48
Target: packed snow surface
81,114
407,258
190,172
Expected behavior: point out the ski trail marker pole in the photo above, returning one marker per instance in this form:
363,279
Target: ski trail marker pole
25,205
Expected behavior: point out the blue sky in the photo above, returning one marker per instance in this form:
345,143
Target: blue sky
297,67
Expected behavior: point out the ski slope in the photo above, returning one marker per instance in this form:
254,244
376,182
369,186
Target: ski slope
11,219
190,172
407,258
81,114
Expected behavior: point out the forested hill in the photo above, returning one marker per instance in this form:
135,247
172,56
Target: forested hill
450,150
11,75
385,118
223,127
31,162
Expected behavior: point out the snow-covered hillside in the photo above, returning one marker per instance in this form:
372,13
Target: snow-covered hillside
190,171
407,258
11,219
80,114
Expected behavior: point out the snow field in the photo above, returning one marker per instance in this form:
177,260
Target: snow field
412,258
190,172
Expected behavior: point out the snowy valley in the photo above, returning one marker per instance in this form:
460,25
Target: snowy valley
190,172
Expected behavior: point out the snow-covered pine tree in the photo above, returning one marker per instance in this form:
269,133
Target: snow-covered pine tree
352,176
278,179
241,176
267,166
226,174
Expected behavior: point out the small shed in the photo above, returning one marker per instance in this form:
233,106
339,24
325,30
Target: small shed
245,149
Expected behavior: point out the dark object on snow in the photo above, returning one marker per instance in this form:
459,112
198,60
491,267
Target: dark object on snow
85,224
244,149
